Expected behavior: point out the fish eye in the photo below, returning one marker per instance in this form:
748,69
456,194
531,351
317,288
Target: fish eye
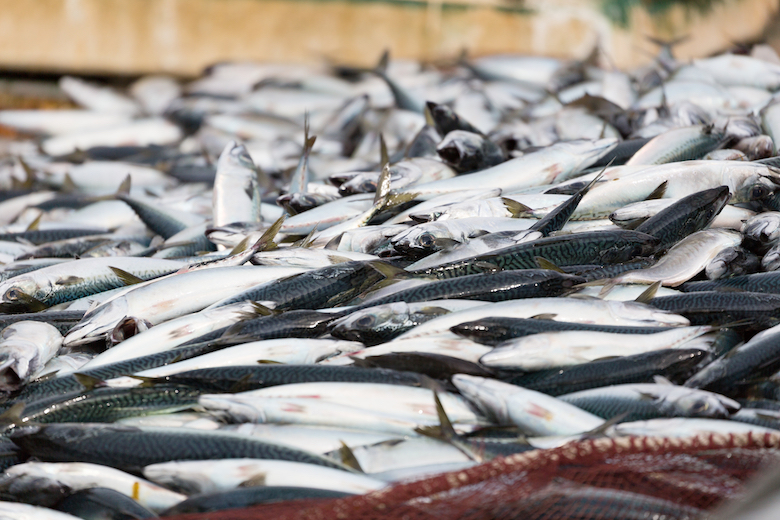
758,192
700,405
12,294
427,240
365,321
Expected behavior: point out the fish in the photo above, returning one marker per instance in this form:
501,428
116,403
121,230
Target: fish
25,347
533,412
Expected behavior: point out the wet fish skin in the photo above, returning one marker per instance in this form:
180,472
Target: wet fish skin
43,236
446,120
378,324
734,261
103,501
437,366
764,228
162,222
64,282
324,287
70,383
247,497
301,323
492,331
19,511
686,216
105,405
566,348
467,151
489,287
580,248
758,310
242,378
234,187
651,400
25,347
678,144
131,449
62,320
534,412
674,364
754,282
23,479
685,259
759,356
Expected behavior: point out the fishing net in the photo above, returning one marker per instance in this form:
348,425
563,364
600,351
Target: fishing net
624,478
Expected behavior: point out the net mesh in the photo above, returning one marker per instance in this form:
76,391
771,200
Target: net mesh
625,478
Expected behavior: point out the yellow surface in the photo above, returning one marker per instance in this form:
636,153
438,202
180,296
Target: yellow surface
184,36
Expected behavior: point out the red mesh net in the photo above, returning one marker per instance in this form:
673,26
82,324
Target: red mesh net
627,478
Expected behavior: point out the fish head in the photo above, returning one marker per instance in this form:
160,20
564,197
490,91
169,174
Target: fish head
359,183
481,331
236,409
422,240
358,325
689,402
98,324
485,394
12,371
763,228
18,294
756,187
709,203
734,260
640,313
235,159
771,260
589,151
172,475
459,147
43,490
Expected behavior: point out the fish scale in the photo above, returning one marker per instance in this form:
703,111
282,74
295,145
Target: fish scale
490,287
580,248
324,287
131,449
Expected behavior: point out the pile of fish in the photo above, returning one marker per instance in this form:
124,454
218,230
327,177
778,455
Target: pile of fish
282,282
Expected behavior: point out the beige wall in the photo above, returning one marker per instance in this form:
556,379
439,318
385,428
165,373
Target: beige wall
183,36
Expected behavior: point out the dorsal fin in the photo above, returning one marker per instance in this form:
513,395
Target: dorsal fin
68,186
125,277
348,457
29,174
546,264
124,187
256,480
32,226
13,415
389,271
384,59
649,293
515,208
384,157
658,193
87,381
383,185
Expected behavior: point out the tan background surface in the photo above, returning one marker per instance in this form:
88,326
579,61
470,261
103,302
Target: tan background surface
184,36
